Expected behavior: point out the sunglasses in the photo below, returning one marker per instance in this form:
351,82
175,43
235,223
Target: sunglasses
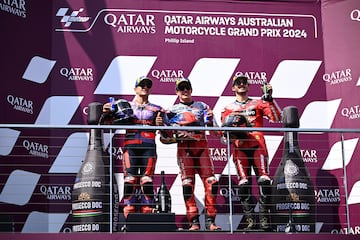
145,84
238,82
182,87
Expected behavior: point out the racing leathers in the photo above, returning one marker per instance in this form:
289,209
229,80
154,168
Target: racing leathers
139,158
249,151
193,157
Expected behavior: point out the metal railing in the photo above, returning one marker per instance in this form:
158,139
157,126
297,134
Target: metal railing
36,149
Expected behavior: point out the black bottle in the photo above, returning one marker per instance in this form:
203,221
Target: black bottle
90,194
163,198
293,197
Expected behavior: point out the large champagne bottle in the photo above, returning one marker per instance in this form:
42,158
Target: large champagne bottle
163,198
293,198
89,196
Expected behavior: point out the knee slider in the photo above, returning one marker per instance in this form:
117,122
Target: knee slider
244,187
264,186
188,189
146,183
264,180
129,186
212,185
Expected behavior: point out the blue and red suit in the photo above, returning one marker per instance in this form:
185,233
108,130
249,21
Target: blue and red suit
139,158
193,157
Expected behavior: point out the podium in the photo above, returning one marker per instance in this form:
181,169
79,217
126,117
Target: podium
151,222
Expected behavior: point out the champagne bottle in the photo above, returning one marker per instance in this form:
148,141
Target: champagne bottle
266,96
163,200
91,190
89,199
293,198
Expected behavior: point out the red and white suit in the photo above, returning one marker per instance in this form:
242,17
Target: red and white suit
249,149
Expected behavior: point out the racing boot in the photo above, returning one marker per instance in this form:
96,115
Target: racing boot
210,224
264,222
195,224
250,220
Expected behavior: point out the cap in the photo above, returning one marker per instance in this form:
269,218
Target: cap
182,80
240,78
143,78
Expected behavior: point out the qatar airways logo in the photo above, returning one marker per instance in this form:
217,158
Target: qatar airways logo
77,73
54,192
218,154
254,77
354,230
36,149
309,155
337,77
327,195
15,7
167,75
20,104
68,19
355,15
131,22
117,153
351,113
235,193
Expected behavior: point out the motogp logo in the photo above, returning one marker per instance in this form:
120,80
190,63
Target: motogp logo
73,17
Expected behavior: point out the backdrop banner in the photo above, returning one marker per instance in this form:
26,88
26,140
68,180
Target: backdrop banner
57,61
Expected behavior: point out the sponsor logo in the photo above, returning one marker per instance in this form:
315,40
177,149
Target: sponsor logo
352,230
77,73
117,153
15,7
87,205
87,184
351,113
327,195
298,227
355,15
235,193
36,149
21,104
338,76
292,185
56,192
309,155
167,75
293,206
72,18
290,168
218,154
131,22
254,77
86,227
84,196
87,169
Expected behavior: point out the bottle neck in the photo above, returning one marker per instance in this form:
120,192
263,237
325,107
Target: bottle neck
95,139
162,178
291,141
